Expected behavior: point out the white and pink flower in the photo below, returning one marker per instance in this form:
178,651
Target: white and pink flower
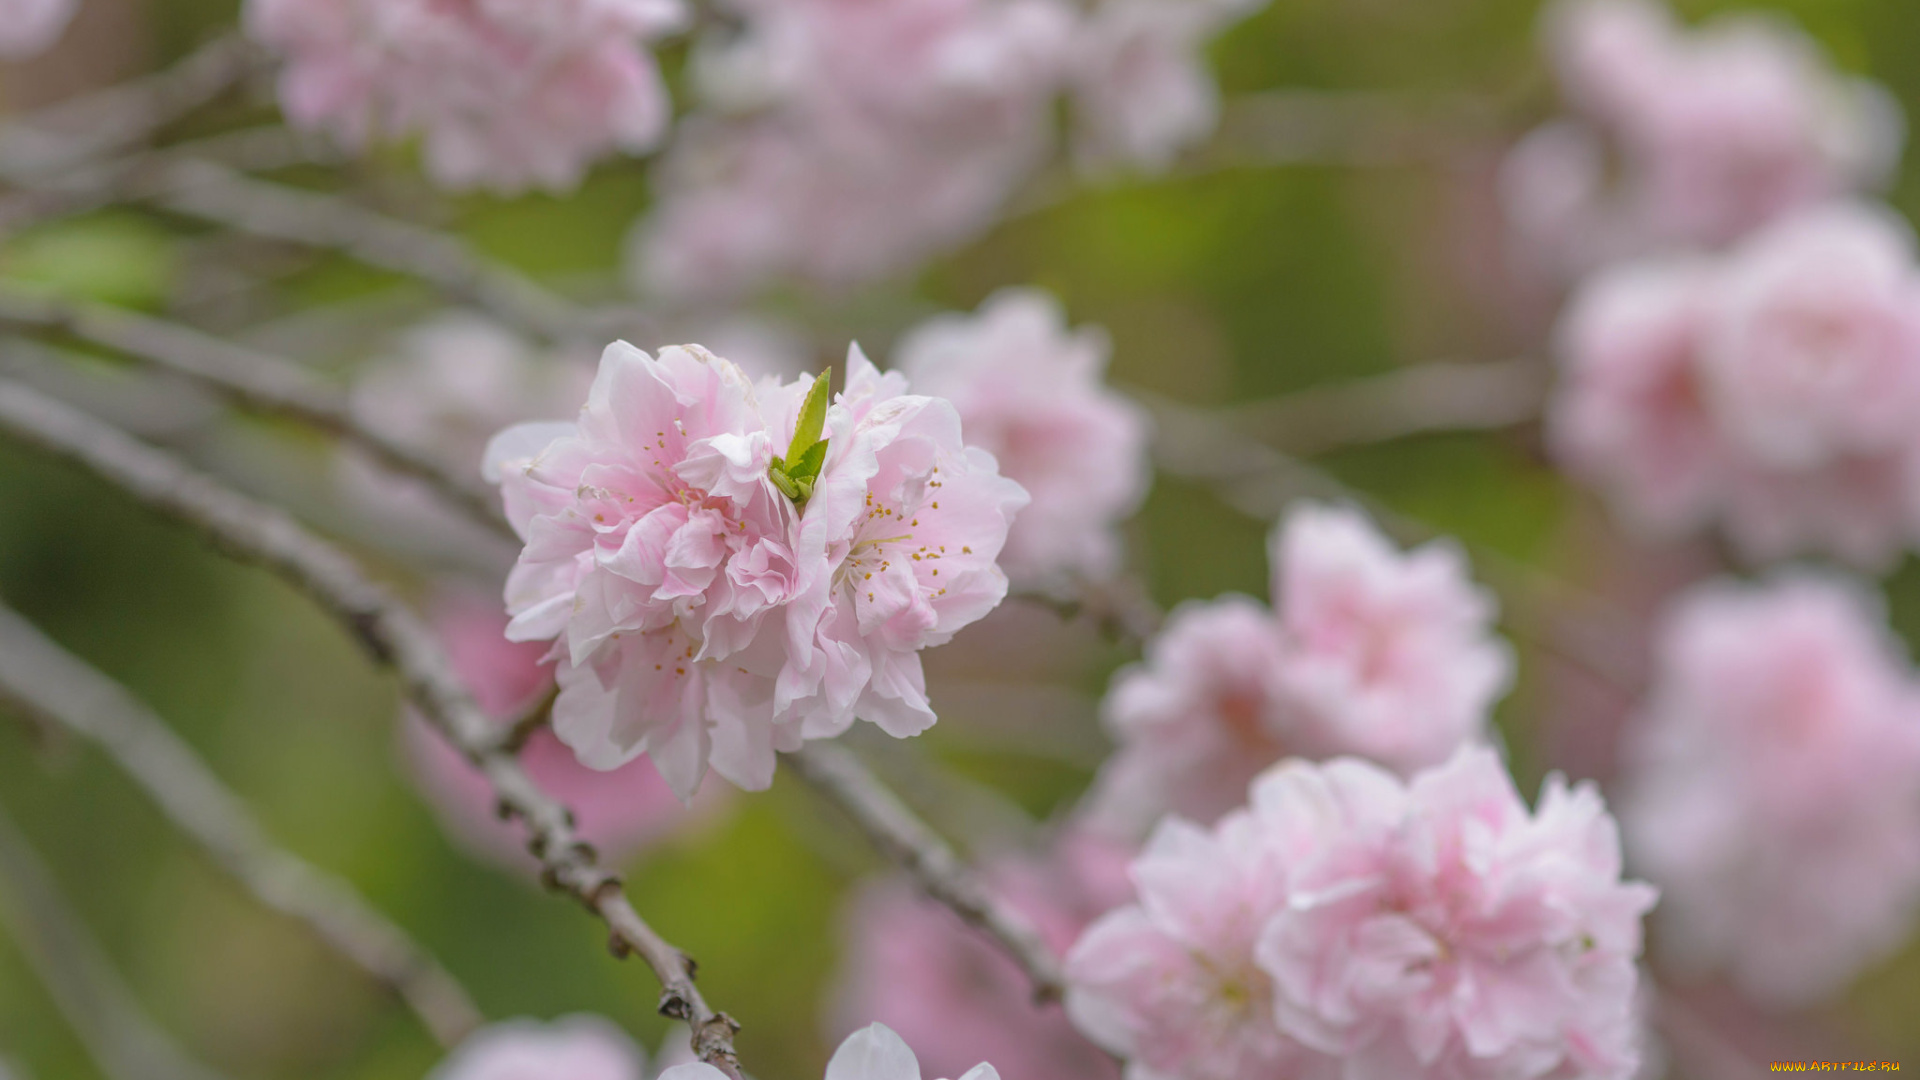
1031,393
506,94
1772,786
30,27
1141,88
700,615
571,1048
872,1053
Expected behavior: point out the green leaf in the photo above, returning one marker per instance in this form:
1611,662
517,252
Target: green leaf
813,417
807,466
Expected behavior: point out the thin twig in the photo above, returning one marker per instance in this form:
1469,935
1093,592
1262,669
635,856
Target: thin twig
1418,400
46,680
117,1034
908,842
267,537
255,380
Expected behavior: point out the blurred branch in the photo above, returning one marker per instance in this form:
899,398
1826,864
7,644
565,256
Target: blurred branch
47,681
122,1041
1259,481
1426,398
1342,127
265,536
58,138
1119,608
254,380
907,841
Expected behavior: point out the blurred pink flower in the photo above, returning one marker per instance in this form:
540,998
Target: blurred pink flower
1773,389
1712,132
1438,929
1773,783
850,140
872,1053
1031,393
699,615
506,94
618,812
1140,81
30,27
1388,656
955,996
571,1048
1371,651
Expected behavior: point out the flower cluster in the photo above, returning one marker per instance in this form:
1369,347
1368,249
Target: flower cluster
917,969
618,812
703,612
1772,390
1773,785
30,27
1706,134
572,1048
506,94
872,1053
1367,651
1030,392
841,140
1347,925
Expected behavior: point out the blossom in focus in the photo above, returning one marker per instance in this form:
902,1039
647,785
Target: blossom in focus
698,614
505,94
1368,651
1772,786
1141,87
849,140
872,1053
1030,392
1772,390
618,812
1386,655
956,997
1708,132
30,27
571,1048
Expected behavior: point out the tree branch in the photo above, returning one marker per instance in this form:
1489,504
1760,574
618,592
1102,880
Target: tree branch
265,536
1417,400
909,843
47,681
254,380
117,1034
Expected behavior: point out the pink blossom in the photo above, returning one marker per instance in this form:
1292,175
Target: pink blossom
506,94
1030,392
1438,929
571,1048
1773,783
850,140
699,615
30,27
872,1053
1712,132
1370,651
618,812
1171,982
953,995
1140,78
1386,655
1771,389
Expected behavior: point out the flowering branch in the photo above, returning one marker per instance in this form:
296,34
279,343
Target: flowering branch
267,537
254,380
109,1023
907,841
54,685
1433,397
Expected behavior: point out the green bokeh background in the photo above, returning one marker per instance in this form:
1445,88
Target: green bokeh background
1217,288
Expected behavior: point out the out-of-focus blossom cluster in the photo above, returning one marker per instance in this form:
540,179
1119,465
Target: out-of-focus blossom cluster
504,94
1773,786
1348,926
618,812
1773,390
29,27
914,967
1367,651
700,614
872,1053
571,1048
1687,138
1030,392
